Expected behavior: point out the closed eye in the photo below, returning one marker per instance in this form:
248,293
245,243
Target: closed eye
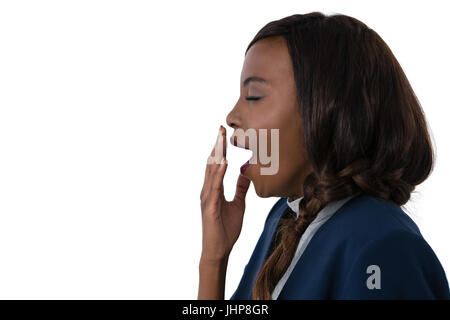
252,98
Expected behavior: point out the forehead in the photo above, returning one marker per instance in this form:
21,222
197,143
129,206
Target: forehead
268,58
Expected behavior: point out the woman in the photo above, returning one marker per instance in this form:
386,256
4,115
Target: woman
353,144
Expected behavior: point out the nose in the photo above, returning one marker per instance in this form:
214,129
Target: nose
233,119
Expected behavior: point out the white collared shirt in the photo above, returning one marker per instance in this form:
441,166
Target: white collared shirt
320,219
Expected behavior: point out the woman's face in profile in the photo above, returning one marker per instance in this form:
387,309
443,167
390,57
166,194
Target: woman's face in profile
272,105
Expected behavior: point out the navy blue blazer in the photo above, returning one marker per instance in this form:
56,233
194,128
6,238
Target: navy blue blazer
341,260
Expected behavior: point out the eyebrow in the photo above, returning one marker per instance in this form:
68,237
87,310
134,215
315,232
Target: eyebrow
254,78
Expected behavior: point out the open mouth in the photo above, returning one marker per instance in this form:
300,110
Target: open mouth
245,166
249,162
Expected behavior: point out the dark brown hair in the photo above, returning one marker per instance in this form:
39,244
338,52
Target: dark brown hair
364,128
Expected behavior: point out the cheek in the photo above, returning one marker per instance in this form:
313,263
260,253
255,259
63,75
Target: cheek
279,156
289,159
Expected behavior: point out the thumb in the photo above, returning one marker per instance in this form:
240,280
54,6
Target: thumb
242,186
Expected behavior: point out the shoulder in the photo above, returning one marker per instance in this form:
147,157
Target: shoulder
372,236
366,218
381,240
397,265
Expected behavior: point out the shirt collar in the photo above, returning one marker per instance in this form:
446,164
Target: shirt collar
294,205
326,211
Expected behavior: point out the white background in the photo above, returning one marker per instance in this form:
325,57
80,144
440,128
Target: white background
108,111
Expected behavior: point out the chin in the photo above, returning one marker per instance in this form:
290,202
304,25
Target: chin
266,186
262,192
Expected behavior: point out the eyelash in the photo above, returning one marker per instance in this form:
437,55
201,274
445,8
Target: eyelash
252,98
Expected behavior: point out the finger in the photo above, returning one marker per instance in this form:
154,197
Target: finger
243,183
211,169
213,162
217,184
206,174
224,141
210,161
218,151
215,144
223,150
